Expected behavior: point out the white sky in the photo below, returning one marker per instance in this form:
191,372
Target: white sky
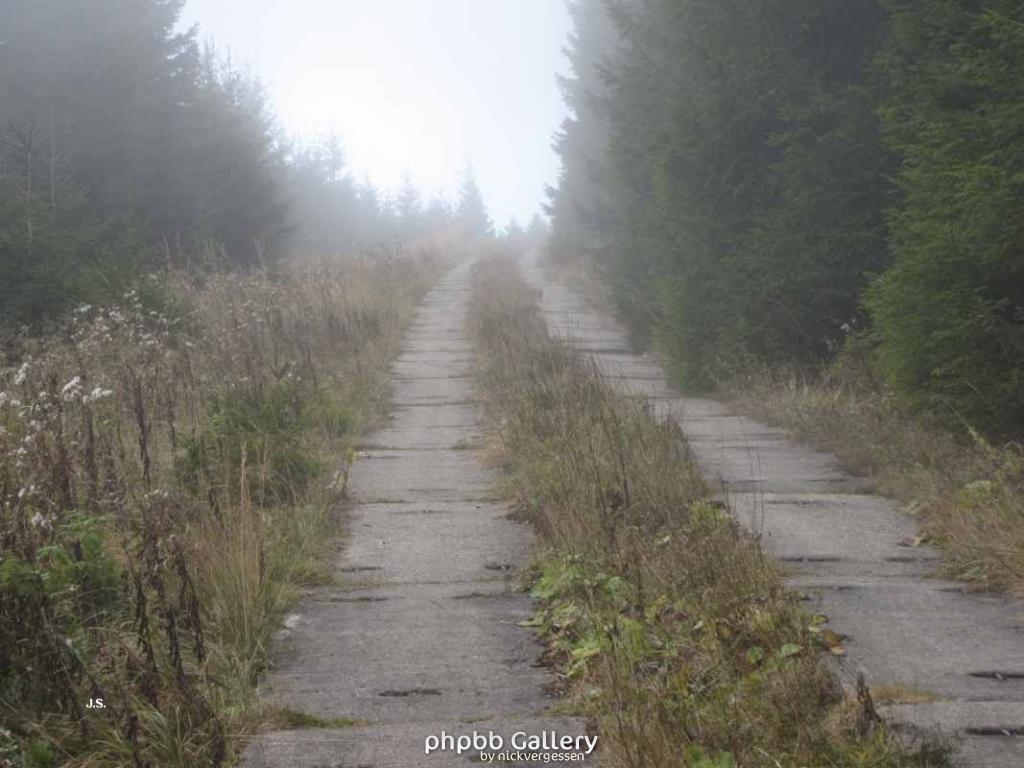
427,86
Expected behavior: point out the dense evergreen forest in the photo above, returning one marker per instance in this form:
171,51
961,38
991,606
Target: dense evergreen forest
787,182
127,145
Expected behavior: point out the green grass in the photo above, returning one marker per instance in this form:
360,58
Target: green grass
291,719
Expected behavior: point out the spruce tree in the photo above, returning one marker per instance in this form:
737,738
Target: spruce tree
471,214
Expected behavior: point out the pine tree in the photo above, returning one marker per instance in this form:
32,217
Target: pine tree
471,214
409,208
513,233
580,210
538,230
950,312
150,126
438,215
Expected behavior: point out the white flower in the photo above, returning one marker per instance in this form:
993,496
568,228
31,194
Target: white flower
4,399
39,520
98,394
22,374
72,389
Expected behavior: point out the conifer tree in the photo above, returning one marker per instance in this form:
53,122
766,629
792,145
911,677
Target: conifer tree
471,214
409,208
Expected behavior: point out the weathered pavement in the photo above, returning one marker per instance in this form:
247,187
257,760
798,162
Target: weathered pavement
424,634
846,549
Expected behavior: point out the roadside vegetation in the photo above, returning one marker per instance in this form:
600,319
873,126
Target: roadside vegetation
170,470
669,626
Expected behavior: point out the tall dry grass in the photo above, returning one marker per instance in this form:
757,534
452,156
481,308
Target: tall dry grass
169,470
671,629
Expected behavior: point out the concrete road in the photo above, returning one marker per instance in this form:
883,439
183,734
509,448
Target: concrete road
425,638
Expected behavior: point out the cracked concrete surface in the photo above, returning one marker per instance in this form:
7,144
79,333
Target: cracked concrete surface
846,550
424,634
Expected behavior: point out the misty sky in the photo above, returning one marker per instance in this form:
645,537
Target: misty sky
423,85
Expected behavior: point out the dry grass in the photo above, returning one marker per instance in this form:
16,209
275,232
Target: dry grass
169,470
670,627
901,694
967,493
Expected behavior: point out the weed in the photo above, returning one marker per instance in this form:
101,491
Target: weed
901,694
293,719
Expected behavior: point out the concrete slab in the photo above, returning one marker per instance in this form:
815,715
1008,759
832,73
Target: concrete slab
440,475
860,528
985,733
412,652
436,390
469,541
399,745
430,437
413,418
433,364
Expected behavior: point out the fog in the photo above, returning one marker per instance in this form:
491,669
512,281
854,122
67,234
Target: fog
421,86
371,372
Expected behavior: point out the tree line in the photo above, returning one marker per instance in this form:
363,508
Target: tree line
127,143
786,182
